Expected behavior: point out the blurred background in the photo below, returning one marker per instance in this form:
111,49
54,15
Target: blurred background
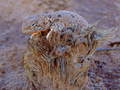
106,65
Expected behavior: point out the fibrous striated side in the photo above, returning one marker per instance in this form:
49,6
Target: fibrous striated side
59,59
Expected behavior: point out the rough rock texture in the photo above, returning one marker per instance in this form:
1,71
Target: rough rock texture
57,61
13,11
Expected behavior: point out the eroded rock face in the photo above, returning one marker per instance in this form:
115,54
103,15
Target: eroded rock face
58,59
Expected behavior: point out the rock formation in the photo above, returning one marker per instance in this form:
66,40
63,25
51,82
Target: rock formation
59,58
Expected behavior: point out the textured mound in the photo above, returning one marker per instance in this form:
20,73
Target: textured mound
59,59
